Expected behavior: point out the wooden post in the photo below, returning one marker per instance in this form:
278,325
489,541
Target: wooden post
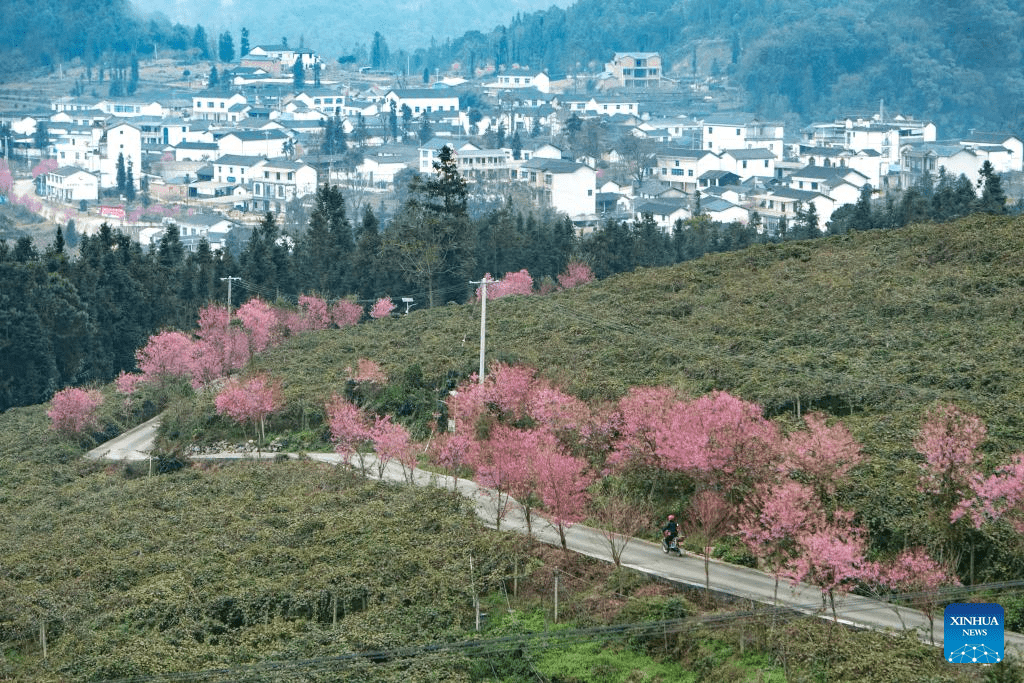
42,635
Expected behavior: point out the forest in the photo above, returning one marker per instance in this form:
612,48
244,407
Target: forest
812,59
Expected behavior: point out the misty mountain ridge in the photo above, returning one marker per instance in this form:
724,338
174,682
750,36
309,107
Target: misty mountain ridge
335,28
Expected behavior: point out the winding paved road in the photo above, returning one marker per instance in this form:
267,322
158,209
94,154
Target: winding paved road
641,555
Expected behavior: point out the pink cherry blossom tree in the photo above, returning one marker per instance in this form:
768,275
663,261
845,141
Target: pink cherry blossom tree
219,347
774,518
367,370
250,402
832,558
346,313
165,357
315,313
74,411
382,308
821,455
391,441
261,323
513,283
351,431
914,573
576,274
563,481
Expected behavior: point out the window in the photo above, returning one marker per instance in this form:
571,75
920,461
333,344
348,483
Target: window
710,130
737,131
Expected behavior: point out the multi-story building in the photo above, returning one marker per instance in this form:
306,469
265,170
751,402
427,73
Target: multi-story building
635,69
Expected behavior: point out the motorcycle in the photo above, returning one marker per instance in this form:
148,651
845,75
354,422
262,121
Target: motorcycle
669,544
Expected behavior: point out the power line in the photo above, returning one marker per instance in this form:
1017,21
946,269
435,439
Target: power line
541,639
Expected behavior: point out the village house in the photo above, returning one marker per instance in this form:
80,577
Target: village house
720,132
521,78
682,168
71,184
219,105
635,69
749,162
841,184
565,186
275,182
267,142
422,101
776,203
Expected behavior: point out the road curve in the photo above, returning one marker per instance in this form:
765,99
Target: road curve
641,555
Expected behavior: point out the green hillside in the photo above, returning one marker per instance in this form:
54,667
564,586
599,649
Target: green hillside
213,568
871,327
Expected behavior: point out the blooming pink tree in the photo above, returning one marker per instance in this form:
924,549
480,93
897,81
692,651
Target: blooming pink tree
250,402
391,441
73,411
350,429
916,574
367,370
346,313
6,179
167,355
832,558
576,274
261,323
563,481
314,312
382,308
718,438
219,347
43,167
774,518
513,283
821,455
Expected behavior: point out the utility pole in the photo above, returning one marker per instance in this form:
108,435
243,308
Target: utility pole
483,320
229,279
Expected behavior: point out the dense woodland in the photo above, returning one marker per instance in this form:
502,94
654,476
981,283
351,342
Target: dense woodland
814,58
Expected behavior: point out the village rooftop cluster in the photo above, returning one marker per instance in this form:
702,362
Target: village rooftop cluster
262,139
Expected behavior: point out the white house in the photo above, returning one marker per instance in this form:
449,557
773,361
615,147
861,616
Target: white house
235,169
682,168
665,212
635,69
723,211
268,142
121,139
218,105
275,182
994,144
565,186
774,204
72,184
422,101
522,78
749,162
720,132
842,184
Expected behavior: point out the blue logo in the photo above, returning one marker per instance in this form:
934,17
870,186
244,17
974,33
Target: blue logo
973,633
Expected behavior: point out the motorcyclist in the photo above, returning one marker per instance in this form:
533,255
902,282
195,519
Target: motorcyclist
669,532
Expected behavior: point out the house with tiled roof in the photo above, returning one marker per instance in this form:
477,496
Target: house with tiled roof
71,184
749,162
565,186
635,69
682,167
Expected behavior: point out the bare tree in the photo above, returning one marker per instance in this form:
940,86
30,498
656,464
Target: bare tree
620,518
710,519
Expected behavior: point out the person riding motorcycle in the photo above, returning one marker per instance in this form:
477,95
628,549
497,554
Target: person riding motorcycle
669,532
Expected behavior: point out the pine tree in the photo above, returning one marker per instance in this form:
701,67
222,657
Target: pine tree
243,46
129,182
993,198
121,173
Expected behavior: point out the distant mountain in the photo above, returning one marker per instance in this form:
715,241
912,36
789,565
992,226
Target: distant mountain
334,28
960,64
